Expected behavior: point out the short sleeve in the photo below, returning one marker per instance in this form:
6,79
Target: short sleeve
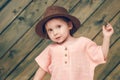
44,59
95,52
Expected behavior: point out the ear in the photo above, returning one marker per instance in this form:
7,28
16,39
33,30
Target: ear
70,25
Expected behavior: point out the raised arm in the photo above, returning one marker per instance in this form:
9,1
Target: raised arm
107,33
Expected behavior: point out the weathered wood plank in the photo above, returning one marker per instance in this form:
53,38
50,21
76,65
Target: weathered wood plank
21,24
47,77
86,8
32,53
103,10
21,73
116,25
11,11
3,3
67,4
15,55
93,24
113,61
26,20
19,47
115,74
28,67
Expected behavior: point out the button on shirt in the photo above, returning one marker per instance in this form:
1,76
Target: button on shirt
74,62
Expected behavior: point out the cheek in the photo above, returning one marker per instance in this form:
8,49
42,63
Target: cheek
50,35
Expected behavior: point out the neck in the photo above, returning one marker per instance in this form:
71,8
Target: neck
67,41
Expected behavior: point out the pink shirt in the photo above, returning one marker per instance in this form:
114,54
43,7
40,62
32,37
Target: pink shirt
76,62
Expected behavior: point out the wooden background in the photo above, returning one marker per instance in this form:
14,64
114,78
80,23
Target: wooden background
19,44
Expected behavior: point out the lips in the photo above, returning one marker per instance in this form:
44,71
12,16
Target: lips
57,38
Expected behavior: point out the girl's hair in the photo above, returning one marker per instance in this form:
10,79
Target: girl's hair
61,17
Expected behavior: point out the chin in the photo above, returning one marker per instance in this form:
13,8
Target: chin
60,42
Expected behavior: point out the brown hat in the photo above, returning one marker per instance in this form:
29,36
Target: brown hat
52,12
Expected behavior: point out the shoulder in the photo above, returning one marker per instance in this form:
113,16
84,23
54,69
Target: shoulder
84,39
52,45
48,48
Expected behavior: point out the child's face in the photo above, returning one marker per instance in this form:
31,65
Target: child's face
58,30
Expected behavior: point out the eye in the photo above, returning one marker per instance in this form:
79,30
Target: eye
59,26
49,30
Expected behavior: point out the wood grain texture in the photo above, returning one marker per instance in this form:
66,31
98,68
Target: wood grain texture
84,9
29,65
17,51
114,38
14,8
115,74
3,3
113,61
115,22
22,42
22,24
94,23
19,44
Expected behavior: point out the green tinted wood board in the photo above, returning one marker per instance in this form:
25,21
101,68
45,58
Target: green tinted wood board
84,9
115,74
102,71
3,3
18,53
116,26
15,49
28,67
21,47
115,22
22,24
11,11
6,44
67,4
93,25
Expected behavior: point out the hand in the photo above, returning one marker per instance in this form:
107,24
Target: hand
107,30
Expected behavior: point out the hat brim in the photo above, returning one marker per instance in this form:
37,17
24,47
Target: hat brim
39,27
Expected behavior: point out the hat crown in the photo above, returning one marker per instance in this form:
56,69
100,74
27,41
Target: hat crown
52,10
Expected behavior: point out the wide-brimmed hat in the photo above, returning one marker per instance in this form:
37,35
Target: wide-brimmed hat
52,12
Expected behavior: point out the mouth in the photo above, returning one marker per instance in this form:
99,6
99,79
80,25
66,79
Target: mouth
57,38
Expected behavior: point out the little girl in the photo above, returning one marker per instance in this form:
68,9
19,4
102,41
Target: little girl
68,58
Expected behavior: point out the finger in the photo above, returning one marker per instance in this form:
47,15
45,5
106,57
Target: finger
108,25
109,28
103,27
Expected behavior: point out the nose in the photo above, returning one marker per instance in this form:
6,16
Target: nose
55,32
